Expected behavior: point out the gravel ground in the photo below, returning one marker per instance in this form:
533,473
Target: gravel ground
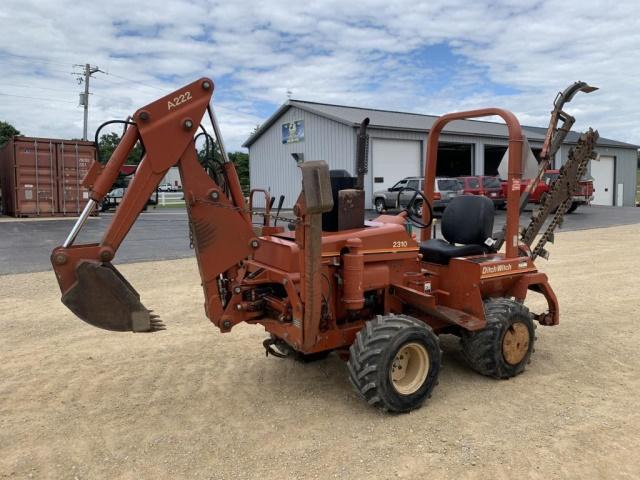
77,402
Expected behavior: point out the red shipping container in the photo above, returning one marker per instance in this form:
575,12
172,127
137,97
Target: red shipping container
42,176
73,159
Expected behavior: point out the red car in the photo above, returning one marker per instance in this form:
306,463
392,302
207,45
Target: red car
582,196
485,185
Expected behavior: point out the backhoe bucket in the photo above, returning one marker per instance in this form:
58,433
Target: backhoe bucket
103,298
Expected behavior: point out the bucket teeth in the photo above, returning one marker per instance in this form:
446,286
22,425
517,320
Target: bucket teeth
155,323
103,298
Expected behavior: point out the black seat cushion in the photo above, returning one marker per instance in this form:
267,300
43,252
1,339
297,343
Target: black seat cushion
467,220
439,251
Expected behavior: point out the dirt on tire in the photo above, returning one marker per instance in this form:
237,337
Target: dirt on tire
483,349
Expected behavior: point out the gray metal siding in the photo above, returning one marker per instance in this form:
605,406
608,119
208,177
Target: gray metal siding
625,173
271,164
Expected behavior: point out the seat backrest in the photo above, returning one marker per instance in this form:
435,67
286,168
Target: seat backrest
347,213
468,220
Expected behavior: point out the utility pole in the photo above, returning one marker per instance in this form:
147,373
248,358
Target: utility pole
84,97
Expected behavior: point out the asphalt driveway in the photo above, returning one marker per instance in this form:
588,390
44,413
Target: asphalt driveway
25,245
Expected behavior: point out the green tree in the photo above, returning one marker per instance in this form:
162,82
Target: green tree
241,161
6,132
107,144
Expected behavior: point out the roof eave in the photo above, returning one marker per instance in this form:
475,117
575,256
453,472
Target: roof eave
308,107
270,121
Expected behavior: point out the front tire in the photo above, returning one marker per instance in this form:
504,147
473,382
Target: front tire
394,362
379,205
503,348
574,206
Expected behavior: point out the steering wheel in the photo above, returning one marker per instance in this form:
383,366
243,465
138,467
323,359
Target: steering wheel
414,212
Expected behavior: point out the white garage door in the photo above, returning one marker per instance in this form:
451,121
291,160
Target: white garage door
602,172
392,160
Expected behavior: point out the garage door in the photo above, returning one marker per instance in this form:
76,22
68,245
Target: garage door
602,172
392,160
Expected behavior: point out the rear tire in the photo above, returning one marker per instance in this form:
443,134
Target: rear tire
394,362
379,205
503,348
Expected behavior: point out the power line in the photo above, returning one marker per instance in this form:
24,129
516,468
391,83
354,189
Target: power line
30,67
136,81
29,58
33,86
36,98
32,58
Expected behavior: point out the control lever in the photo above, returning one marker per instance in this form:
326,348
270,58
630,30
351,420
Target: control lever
268,212
280,202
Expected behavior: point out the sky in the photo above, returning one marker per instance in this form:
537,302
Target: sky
433,57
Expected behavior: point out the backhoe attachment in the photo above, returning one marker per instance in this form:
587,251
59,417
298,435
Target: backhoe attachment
103,298
219,222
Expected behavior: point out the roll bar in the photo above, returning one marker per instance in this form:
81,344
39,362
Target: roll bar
514,175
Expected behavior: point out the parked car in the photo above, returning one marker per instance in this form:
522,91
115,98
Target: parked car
485,185
165,187
114,197
445,190
582,196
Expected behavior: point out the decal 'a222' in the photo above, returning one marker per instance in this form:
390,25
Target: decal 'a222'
179,100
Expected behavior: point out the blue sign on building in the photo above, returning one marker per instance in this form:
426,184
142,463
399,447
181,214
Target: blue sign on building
293,132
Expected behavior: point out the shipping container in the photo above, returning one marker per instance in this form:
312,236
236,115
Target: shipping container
42,176
74,159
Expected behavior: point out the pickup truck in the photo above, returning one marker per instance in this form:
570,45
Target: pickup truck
582,196
114,197
487,186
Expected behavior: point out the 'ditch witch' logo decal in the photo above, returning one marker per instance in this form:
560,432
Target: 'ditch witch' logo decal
497,269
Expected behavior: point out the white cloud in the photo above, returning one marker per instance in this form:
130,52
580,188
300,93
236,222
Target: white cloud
371,53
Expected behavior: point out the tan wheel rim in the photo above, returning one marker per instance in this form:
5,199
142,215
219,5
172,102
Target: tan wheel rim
515,343
409,368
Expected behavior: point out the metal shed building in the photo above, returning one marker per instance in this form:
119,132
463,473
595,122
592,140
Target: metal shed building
397,144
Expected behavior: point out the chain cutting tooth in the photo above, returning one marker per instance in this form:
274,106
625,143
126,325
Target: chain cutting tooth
559,194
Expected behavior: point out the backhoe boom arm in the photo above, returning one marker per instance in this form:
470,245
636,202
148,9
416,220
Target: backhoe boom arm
220,227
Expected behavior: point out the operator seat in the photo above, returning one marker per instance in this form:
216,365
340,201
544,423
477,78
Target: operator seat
467,222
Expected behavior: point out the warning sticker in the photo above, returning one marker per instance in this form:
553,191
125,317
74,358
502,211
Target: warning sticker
516,184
